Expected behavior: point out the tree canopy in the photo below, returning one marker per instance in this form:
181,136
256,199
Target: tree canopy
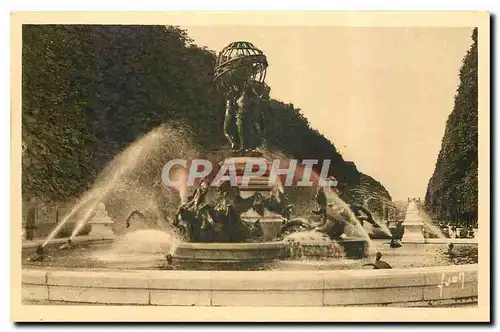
89,91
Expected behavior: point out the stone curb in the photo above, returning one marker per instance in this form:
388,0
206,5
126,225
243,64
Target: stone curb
254,288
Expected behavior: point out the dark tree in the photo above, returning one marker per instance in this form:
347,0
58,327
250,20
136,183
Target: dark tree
89,91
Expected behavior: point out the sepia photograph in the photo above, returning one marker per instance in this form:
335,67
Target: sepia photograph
279,166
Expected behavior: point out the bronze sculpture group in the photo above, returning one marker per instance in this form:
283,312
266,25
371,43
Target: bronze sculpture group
220,220
239,75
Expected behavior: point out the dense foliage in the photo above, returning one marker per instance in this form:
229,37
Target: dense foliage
452,193
90,91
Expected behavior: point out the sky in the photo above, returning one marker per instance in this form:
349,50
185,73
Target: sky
381,95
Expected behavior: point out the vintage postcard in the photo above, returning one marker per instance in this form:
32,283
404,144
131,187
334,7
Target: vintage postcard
250,166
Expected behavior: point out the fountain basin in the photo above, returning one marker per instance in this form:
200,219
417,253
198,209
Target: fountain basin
229,252
407,287
100,252
258,252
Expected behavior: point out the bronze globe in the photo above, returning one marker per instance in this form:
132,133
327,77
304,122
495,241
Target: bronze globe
237,65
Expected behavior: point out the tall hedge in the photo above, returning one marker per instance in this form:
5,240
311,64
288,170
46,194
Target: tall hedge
452,192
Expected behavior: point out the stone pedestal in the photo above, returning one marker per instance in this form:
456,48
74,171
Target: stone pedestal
101,223
413,225
270,222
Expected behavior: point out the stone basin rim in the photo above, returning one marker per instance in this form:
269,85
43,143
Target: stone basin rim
413,286
255,245
395,272
231,246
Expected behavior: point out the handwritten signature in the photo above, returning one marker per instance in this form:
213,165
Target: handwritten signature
451,280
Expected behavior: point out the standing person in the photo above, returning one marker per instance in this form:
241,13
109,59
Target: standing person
453,232
424,232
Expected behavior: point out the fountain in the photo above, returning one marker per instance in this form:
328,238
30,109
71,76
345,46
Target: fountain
413,225
250,218
246,213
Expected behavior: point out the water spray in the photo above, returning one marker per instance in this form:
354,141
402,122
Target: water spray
127,160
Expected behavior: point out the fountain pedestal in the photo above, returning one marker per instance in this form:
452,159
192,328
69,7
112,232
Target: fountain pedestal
101,229
413,232
101,223
270,221
413,225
